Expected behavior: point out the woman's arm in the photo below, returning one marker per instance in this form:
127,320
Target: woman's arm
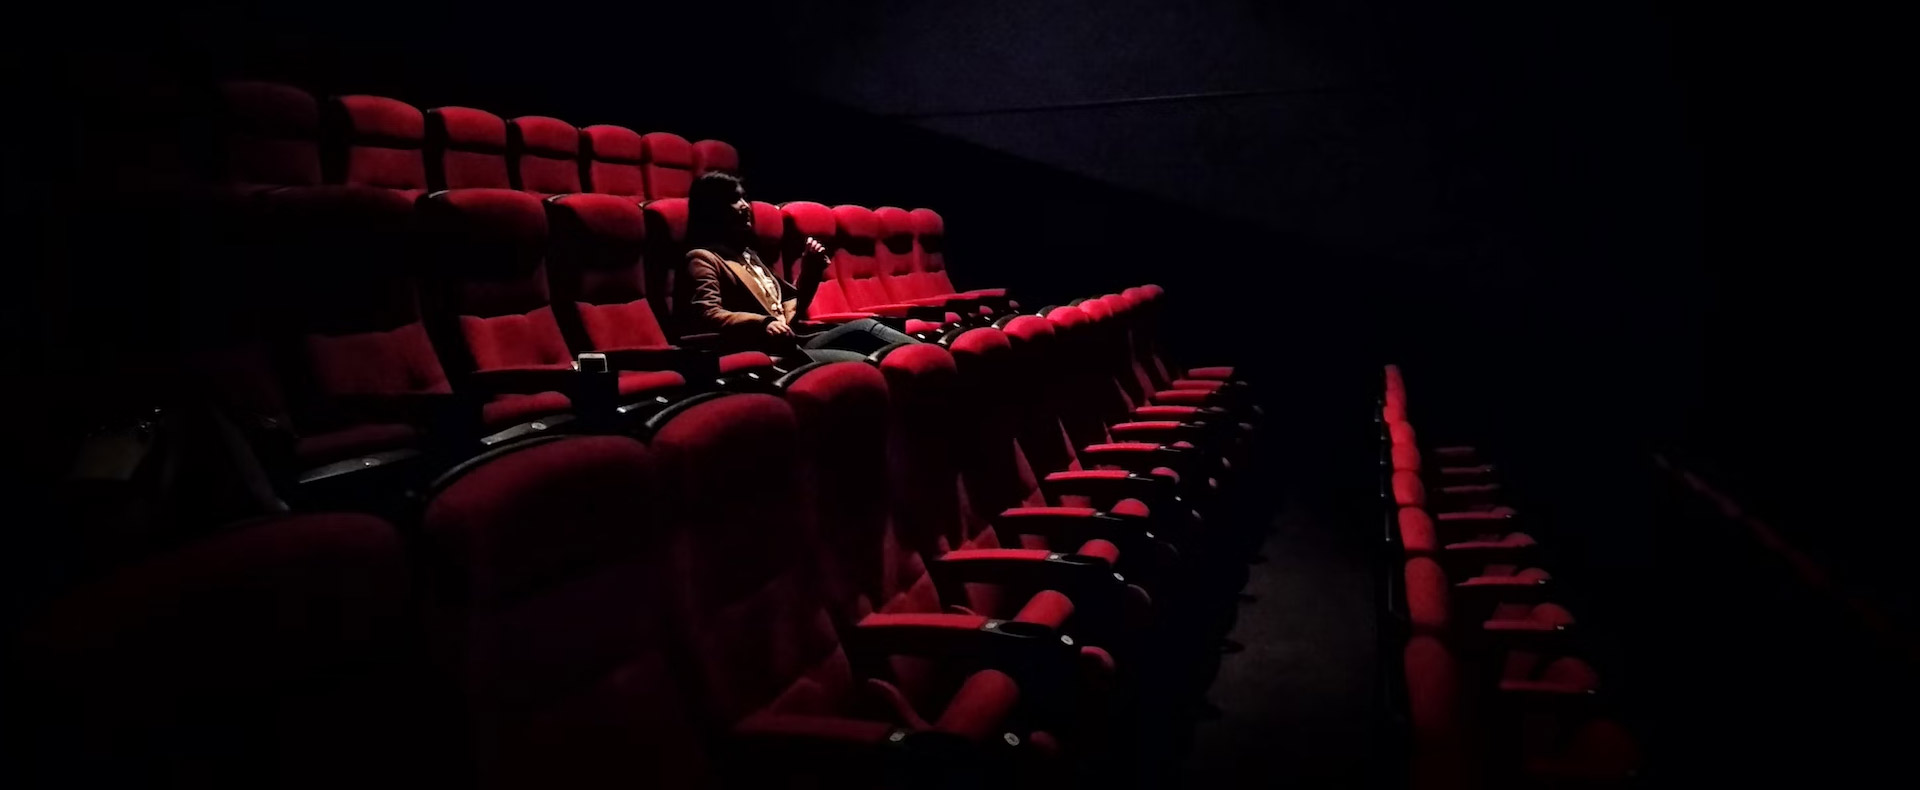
813,266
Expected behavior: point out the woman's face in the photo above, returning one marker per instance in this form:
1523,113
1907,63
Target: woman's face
742,209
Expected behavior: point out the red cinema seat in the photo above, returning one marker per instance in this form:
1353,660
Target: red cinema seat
614,161
488,293
377,142
1151,299
1536,729
1500,601
276,654
362,370
667,162
466,149
714,156
846,422
930,237
770,240
804,220
791,698
552,567
897,263
269,135
603,290
546,155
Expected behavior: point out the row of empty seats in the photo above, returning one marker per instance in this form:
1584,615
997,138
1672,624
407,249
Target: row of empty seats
271,134
1495,692
934,564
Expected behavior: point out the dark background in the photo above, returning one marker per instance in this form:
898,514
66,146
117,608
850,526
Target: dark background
1591,231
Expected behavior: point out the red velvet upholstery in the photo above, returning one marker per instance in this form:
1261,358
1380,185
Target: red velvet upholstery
856,263
466,149
249,659
811,220
897,255
379,143
667,161
769,239
930,238
487,266
714,156
347,297
270,134
763,645
545,153
555,585
614,161
599,273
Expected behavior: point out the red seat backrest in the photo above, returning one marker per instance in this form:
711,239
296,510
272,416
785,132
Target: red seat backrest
762,635
930,233
812,220
897,256
614,161
466,149
379,142
769,239
598,268
349,295
856,263
487,268
667,161
269,135
546,155
714,156
552,564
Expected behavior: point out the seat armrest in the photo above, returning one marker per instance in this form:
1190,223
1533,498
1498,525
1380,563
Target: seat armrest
692,364
1030,652
1504,589
1088,581
1188,463
1073,526
1108,486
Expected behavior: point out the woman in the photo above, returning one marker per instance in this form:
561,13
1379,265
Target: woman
735,294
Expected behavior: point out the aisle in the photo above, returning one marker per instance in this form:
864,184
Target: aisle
1296,707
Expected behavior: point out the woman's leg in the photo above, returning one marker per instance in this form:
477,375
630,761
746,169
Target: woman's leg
864,336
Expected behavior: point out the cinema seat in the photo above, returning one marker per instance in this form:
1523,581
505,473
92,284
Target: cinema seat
489,301
614,161
831,302
714,156
667,162
1541,727
375,141
362,379
251,658
1498,602
466,149
603,292
269,135
930,239
546,155
552,589
1150,301
792,699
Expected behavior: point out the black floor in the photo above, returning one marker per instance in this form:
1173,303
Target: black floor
1297,705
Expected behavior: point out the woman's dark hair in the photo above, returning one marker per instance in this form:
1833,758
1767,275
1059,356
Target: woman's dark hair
710,212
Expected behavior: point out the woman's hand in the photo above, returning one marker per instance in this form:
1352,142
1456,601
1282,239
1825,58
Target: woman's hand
779,328
813,257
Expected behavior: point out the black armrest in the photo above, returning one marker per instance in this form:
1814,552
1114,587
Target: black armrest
1030,652
1081,578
